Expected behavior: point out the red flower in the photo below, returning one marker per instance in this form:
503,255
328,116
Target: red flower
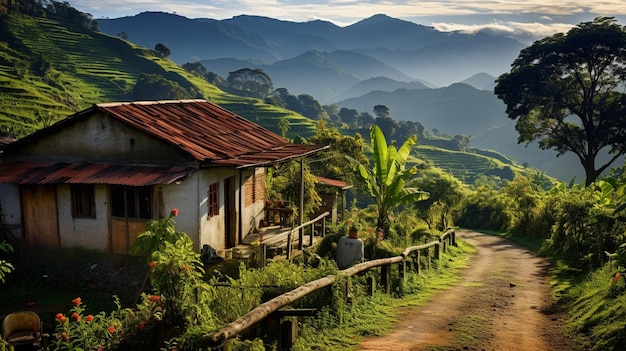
142,326
111,329
76,316
174,212
64,336
77,301
617,275
155,298
89,318
60,317
153,264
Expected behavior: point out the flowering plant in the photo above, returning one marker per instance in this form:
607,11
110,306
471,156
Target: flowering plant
77,331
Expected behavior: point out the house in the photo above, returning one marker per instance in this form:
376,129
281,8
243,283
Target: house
94,179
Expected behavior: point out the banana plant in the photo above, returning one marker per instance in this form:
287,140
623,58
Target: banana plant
387,177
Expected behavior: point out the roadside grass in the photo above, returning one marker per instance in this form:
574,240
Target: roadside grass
598,310
375,315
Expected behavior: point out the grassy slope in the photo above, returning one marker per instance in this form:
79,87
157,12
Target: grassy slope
90,67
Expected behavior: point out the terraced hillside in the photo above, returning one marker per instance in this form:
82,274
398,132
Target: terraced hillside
87,67
469,166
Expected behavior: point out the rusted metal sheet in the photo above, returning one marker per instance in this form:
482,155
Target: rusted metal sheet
333,183
89,173
208,132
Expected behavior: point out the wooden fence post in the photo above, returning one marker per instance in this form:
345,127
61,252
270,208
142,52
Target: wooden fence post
401,274
311,234
371,285
437,249
385,278
416,262
289,245
262,255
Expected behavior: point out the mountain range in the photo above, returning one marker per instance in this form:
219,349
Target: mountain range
320,58
82,66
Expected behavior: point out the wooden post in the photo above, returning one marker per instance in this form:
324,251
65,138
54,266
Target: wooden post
288,333
301,234
445,246
323,232
371,285
312,234
437,248
385,278
262,254
401,274
289,244
416,262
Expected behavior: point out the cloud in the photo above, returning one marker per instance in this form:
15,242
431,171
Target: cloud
522,31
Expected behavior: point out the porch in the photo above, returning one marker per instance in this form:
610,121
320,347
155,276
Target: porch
280,240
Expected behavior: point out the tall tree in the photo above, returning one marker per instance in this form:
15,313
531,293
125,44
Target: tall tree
163,50
387,178
566,92
251,82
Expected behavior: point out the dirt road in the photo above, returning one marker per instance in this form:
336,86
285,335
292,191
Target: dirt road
501,302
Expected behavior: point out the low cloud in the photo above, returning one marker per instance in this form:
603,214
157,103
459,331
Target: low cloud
522,31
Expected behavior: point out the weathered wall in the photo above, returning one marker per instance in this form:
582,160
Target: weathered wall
91,233
102,139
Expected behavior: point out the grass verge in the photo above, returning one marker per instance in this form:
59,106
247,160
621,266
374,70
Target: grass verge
371,316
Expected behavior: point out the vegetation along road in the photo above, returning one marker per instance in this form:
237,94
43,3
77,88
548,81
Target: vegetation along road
501,302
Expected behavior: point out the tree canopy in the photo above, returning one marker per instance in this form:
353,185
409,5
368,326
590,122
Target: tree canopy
566,93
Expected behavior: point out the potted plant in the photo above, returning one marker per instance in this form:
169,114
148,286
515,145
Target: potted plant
353,228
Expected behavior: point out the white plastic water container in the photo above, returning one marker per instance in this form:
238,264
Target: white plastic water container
349,252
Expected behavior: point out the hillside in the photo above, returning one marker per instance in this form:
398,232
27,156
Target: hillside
87,67
50,69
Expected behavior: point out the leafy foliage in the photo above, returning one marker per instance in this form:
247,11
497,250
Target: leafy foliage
387,178
564,92
5,266
156,87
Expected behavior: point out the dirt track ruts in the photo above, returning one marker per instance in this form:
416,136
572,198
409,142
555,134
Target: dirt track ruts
502,301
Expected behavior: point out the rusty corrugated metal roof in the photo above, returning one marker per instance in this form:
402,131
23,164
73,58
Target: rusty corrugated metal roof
25,172
210,134
207,132
333,182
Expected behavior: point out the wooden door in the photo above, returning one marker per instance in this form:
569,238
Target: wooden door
124,233
230,215
39,209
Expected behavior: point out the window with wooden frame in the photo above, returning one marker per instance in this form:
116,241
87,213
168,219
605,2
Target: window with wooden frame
131,201
83,200
213,200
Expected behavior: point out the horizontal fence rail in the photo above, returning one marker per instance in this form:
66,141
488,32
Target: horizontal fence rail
266,309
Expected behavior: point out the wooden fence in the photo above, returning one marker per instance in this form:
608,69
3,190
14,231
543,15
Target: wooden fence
271,308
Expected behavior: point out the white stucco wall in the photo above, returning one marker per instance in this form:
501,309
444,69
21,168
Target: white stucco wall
89,233
184,197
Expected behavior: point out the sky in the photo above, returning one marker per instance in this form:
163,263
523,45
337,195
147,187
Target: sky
524,20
